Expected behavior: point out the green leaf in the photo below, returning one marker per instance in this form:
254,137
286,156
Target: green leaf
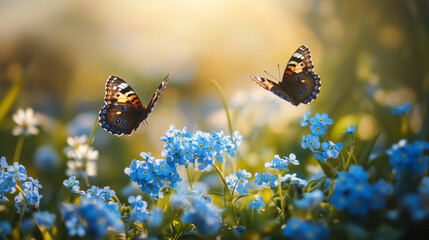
309,186
364,157
10,98
239,197
276,196
216,193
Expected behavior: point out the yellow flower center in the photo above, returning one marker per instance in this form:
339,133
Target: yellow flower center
359,187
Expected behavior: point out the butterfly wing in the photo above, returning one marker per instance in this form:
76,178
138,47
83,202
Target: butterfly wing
155,97
271,86
299,80
123,109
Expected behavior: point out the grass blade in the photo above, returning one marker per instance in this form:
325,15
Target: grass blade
10,98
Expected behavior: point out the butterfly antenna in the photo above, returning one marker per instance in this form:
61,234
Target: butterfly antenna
278,66
271,75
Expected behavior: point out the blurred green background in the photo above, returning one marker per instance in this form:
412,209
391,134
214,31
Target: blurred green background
370,55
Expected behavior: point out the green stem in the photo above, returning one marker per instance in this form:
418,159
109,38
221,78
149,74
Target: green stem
279,189
116,199
91,136
225,105
405,125
272,196
16,231
350,153
44,234
189,178
225,185
355,160
343,162
234,212
18,148
89,142
228,193
235,185
85,177
231,202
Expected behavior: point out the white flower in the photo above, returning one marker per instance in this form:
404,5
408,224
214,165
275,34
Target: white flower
82,157
293,179
27,122
91,169
73,169
73,145
85,153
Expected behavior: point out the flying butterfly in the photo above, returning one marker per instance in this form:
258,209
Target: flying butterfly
299,83
123,111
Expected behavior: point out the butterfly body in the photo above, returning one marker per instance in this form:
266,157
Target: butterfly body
300,84
124,112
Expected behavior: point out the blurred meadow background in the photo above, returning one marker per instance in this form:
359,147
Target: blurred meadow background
372,56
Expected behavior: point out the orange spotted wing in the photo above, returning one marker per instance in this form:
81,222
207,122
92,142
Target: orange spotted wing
300,84
123,111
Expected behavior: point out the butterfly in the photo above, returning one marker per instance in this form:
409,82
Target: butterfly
299,84
123,111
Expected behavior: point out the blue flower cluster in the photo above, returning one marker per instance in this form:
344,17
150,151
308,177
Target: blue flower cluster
139,209
151,174
353,193
310,200
282,163
266,179
415,204
257,203
408,159
318,127
72,183
5,229
239,182
305,230
9,176
45,218
180,148
94,192
183,148
95,213
92,218
199,210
